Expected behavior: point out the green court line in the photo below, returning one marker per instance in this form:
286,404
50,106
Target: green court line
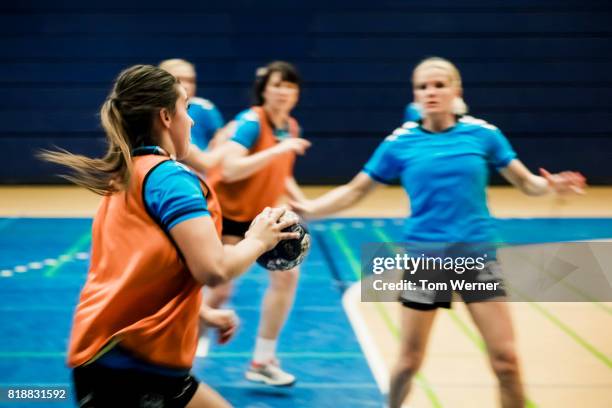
459,322
479,342
76,247
555,320
586,296
568,330
348,253
471,334
572,288
420,379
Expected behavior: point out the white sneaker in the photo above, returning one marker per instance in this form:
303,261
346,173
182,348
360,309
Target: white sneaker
269,374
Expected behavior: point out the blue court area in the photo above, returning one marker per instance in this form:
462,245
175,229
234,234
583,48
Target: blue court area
43,264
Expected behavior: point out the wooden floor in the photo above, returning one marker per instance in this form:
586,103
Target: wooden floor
556,341
63,201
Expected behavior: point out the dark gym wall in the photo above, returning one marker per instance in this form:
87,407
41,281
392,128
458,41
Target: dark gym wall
540,70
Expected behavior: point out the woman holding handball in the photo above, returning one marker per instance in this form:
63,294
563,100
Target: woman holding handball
442,161
155,242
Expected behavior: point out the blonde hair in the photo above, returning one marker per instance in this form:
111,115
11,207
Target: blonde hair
127,115
173,63
459,105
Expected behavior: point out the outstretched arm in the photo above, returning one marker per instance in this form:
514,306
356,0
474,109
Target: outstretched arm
565,182
238,164
337,199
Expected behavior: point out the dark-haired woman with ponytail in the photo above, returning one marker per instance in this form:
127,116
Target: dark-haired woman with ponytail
257,170
155,242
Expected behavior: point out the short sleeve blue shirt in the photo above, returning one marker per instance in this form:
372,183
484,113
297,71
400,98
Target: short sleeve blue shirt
248,129
173,194
445,175
207,120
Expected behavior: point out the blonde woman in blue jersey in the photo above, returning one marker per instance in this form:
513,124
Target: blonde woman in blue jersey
442,162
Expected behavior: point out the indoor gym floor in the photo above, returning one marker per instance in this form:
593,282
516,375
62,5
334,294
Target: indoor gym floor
565,348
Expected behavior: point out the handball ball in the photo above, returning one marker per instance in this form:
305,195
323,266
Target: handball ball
288,253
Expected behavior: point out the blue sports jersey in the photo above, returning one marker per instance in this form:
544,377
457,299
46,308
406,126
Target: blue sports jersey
445,175
173,194
207,120
247,129
412,113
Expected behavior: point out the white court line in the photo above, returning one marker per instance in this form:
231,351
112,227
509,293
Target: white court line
358,224
350,300
7,273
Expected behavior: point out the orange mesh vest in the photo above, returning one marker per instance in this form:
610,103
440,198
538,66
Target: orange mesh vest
138,290
242,200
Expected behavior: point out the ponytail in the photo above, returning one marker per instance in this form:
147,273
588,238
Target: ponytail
127,118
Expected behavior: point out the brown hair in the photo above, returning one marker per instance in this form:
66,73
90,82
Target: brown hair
127,114
287,71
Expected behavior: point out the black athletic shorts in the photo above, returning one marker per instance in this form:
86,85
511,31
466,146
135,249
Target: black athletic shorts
102,387
236,228
488,280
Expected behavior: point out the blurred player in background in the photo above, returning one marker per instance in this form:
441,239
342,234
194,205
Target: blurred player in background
208,130
442,161
257,171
